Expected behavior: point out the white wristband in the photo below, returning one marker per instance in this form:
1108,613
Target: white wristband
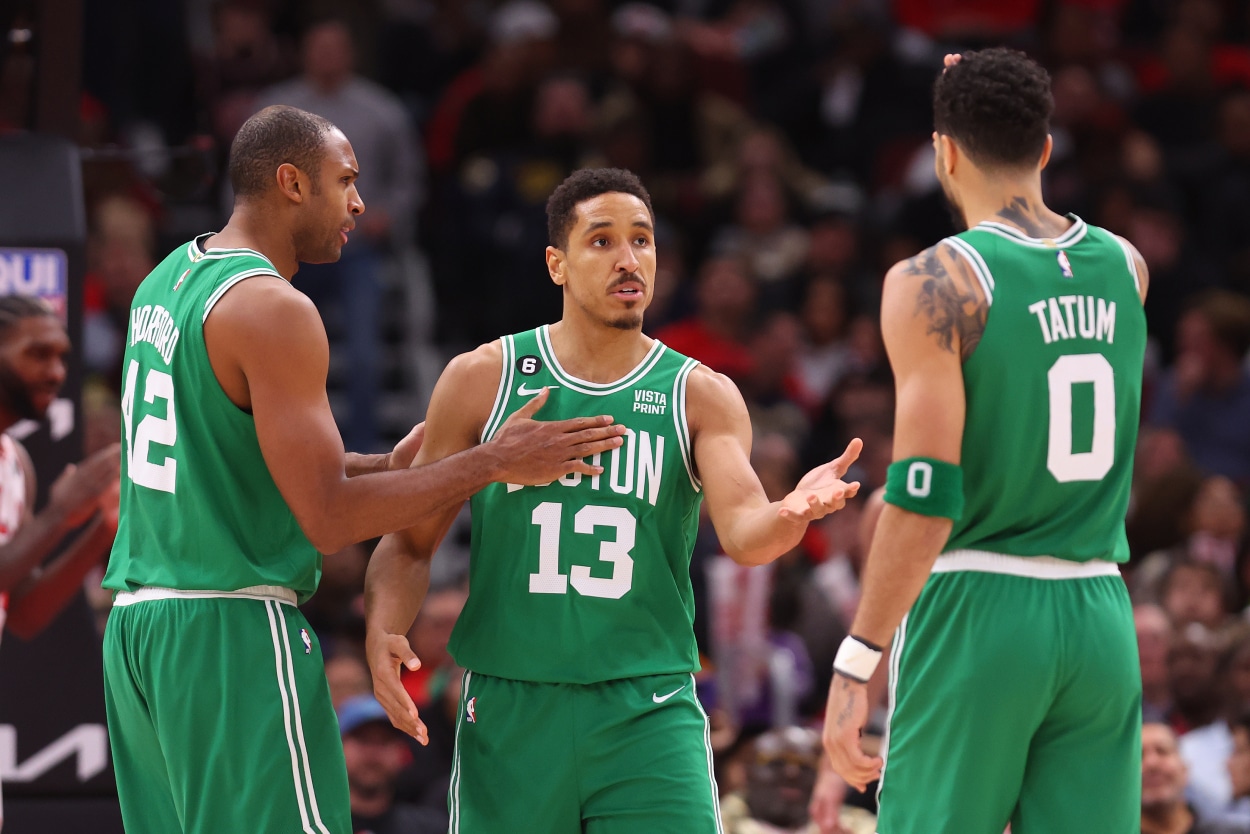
856,660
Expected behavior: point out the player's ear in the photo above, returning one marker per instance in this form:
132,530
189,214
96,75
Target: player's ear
290,182
555,265
1046,149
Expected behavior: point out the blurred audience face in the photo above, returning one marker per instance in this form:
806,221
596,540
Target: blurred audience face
32,366
761,205
1239,762
1193,667
329,56
1193,593
375,753
1154,637
348,676
726,292
781,774
776,462
824,311
1163,771
562,109
432,629
833,245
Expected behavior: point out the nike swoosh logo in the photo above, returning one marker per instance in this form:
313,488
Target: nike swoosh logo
659,699
529,392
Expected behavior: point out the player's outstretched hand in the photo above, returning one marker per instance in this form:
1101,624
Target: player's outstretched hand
77,490
405,451
537,452
845,717
386,654
822,490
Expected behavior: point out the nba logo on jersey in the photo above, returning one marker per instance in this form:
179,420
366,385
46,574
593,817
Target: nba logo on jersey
1065,266
303,635
470,710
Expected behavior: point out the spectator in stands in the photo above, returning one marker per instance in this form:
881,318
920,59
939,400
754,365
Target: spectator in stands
781,773
717,333
1154,639
1164,777
349,292
1206,395
375,753
33,351
348,676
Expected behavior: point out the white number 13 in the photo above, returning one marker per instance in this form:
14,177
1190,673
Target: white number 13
549,580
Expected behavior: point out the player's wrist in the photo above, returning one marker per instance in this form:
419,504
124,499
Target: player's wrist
857,658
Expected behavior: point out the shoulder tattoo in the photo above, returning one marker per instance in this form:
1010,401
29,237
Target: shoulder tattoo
949,298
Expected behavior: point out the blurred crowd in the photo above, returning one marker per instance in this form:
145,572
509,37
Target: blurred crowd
786,144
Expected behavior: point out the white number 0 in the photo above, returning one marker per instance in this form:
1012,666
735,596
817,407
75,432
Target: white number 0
162,431
1065,464
549,580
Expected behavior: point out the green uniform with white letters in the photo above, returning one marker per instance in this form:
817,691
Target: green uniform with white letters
218,708
1015,690
578,710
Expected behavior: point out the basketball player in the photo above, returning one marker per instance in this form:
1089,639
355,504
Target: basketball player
1017,353
33,347
578,710
234,477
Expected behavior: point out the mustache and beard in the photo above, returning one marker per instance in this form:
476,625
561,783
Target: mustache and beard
631,319
958,219
16,395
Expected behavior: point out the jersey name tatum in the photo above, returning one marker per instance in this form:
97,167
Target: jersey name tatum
1075,317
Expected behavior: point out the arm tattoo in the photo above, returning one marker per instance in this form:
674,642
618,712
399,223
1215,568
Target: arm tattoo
950,298
845,714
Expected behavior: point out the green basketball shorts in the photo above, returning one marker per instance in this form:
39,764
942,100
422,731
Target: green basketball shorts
619,757
219,716
1015,697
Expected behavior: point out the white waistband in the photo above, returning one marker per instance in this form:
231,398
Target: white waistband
1037,567
274,592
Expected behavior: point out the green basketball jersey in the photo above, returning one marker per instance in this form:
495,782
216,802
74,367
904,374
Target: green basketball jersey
587,579
199,509
1053,393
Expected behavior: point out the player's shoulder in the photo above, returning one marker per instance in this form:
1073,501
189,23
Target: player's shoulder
1140,267
484,361
710,396
937,294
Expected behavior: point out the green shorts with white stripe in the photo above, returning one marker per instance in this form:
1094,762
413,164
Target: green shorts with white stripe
220,718
1015,697
617,757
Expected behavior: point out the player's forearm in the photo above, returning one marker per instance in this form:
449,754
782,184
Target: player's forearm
395,587
903,551
30,545
760,535
365,507
37,601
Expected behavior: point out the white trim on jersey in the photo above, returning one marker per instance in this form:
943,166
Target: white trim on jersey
498,410
896,656
1068,238
271,608
1035,567
979,267
274,593
230,282
596,388
679,420
1132,264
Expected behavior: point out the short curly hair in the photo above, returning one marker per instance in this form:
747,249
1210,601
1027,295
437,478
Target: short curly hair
584,185
996,103
272,137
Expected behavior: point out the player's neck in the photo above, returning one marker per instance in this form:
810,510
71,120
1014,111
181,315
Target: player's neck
248,229
596,352
1017,203
1174,819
